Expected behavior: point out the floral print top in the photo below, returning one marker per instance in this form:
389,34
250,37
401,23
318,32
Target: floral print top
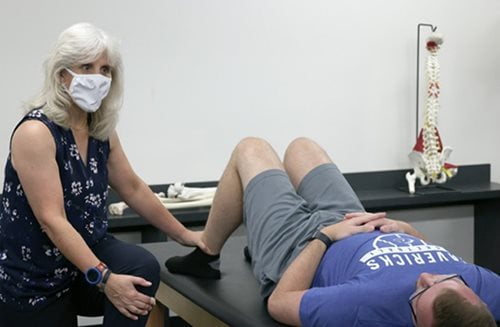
32,270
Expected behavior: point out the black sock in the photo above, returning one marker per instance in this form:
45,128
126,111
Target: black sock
196,263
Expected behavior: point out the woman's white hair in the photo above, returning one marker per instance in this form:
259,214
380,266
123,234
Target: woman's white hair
79,44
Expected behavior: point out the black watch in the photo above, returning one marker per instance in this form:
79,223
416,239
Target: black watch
318,235
93,276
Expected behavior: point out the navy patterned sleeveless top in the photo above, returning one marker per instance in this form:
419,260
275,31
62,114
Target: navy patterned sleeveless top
32,270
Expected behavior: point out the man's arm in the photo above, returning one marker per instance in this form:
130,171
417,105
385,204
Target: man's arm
284,302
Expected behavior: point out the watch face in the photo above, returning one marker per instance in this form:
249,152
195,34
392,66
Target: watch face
93,276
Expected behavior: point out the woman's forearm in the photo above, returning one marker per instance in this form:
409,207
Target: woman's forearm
146,204
70,243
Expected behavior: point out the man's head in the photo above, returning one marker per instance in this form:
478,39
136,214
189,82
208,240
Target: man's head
446,300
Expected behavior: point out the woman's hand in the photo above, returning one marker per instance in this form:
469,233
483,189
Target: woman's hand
121,291
192,238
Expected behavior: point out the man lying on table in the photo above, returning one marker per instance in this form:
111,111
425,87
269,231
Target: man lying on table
322,260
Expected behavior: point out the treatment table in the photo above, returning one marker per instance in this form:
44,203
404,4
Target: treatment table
234,300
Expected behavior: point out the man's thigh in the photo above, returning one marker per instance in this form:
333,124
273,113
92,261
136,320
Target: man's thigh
277,219
280,220
326,189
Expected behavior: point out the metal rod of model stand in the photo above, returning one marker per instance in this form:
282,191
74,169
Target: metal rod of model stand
433,28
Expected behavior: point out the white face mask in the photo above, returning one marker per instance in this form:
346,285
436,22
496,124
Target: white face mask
88,90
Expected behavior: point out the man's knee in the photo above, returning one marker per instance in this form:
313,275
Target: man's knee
298,146
251,147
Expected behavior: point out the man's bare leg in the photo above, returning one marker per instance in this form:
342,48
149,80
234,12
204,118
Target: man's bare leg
250,157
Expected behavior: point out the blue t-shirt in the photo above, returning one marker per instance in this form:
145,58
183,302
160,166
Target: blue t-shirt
366,280
32,270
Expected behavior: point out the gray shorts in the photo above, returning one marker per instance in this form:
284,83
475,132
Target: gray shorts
280,220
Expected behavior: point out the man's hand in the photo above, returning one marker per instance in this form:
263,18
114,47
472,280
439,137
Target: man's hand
355,224
387,225
121,291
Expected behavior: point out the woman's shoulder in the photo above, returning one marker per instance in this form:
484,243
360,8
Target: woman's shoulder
32,128
34,132
31,142
35,124
34,117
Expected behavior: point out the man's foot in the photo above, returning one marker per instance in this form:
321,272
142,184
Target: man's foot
196,263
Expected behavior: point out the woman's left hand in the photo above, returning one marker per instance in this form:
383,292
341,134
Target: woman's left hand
122,293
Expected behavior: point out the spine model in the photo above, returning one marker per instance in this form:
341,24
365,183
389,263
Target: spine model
428,156
432,147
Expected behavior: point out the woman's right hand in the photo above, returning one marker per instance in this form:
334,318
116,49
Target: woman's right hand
121,291
192,238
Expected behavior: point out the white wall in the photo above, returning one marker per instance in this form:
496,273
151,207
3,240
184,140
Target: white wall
200,75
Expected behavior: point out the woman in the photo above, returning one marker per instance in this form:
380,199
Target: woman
56,258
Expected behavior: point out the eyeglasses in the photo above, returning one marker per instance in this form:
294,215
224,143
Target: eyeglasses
421,291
